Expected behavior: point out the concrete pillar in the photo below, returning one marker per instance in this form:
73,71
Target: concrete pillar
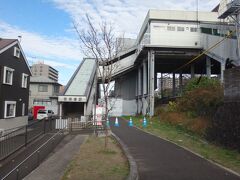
151,72
192,71
161,85
139,87
181,82
173,85
139,81
144,78
208,67
222,70
85,109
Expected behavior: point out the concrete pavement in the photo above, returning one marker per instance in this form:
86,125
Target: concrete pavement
160,159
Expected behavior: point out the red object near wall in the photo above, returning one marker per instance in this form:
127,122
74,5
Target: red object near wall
35,111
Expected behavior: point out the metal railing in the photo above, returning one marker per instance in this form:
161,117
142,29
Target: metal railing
19,137
34,159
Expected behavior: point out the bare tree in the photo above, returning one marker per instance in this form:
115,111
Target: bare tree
100,43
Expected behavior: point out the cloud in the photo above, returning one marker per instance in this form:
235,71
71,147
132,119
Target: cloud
127,16
42,46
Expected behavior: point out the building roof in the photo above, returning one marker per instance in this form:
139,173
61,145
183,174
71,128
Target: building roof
42,79
6,42
82,79
175,15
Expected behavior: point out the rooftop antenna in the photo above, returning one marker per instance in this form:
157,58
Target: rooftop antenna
20,38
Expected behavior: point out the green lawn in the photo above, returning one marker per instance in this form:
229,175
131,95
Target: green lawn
197,144
93,161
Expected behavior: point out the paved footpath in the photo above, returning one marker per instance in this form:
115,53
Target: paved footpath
54,166
158,159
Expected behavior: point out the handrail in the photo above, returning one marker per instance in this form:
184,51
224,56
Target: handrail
32,154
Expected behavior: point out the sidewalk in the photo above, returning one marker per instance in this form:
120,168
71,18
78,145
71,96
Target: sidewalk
54,166
159,159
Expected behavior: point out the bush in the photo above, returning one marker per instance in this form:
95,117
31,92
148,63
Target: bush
201,98
202,82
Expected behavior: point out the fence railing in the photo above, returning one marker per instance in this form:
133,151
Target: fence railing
19,137
12,141
34,159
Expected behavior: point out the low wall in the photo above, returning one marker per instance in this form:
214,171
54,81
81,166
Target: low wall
232,85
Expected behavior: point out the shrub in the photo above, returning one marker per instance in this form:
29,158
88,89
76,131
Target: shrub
201,98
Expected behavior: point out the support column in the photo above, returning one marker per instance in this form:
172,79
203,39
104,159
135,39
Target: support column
208,67
173,85
151,62
139,93
161,85
144,77
181,82
85,109
192,71
222,70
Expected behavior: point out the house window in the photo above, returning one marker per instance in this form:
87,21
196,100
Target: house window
180,28
23,109
10,109
24,80
42,88
193,29
17,52
171,28
8,75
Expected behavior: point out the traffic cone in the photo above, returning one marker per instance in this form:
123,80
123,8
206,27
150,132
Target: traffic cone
116,122
130,124
144,122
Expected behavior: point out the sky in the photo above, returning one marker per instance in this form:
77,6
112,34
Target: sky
46,26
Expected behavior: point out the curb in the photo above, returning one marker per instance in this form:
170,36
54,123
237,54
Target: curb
133,175
189,150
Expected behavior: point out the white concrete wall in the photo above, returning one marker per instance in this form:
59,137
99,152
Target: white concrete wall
129,107
11,123
116,105
161,36
122,107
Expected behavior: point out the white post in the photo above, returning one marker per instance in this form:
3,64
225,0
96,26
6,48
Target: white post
151,62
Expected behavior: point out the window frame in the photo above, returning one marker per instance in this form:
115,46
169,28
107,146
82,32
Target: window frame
24,83
171,28
42,85
5,73
17,52
5,108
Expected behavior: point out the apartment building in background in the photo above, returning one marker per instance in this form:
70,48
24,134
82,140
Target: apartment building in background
41,69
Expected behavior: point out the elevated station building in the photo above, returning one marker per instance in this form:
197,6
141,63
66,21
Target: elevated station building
176,43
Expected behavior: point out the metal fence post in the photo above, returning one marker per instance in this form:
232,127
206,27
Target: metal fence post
44,125
26,135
